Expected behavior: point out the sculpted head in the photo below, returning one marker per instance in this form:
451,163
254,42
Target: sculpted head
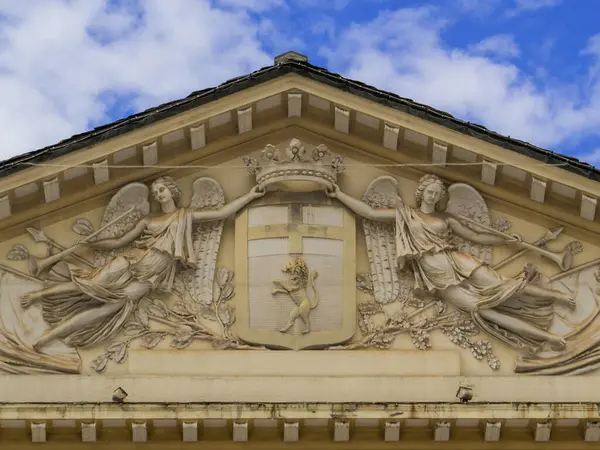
164,189
431,191
297,271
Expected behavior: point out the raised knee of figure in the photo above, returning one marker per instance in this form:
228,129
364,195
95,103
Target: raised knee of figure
109,272
459,298
119,263
485,276
137,289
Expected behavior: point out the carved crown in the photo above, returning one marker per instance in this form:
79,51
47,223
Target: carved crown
294,168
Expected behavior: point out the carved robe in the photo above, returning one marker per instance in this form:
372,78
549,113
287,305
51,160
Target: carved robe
581,356
424,241
164,247
20,328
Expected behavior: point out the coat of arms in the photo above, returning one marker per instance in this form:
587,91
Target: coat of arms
295,256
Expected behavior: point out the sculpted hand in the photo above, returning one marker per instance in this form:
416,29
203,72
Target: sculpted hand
515,239
96,244
257,191
333,192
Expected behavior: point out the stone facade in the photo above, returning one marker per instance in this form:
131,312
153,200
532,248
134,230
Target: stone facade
294,263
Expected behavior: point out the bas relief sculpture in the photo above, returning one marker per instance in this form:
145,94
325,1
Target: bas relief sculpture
154,278
299,277
420,243
138,256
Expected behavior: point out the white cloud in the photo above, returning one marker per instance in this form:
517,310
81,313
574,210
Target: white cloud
515,7
336,5
253,5
60,58
532,5
402,51
502,45
481,7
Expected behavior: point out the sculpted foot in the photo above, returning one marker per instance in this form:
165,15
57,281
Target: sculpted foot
42,341
28,299
566,299
305,331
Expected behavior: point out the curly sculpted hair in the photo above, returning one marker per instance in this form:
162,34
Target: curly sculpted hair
424,183
171,186
298,271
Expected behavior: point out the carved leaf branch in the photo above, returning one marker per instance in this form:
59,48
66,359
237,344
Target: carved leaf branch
417,317
185,322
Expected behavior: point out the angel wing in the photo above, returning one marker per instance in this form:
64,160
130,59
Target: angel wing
134,194
208,194
465,200
381,241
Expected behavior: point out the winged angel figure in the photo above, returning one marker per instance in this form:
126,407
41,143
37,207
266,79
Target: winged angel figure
449,260
136,256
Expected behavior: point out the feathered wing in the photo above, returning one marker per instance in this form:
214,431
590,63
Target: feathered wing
133,195
464,200
381,241
208,194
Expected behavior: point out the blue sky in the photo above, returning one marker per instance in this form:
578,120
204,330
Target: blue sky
525,68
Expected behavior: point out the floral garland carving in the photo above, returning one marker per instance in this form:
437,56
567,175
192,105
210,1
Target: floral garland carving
417,317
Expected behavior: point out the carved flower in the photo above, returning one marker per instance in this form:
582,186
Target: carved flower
440,307
251,165
18,253
369,308
271,154
338,164
574,247
295,151
493,362
420,339
502,224
320,152
382,341
400,319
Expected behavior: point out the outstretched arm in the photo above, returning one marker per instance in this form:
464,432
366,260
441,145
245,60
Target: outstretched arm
230,208
121,241
361,208
480,238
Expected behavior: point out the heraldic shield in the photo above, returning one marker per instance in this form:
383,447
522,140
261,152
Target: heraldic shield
296,272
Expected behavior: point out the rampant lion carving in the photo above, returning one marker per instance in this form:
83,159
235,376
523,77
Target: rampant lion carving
298,277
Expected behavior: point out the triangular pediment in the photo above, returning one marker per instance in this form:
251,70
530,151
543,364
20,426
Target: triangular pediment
279,177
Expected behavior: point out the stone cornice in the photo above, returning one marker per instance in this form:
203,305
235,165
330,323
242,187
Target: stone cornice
293,100
347,425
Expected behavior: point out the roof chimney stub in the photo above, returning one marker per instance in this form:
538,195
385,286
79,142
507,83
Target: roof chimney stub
290,56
